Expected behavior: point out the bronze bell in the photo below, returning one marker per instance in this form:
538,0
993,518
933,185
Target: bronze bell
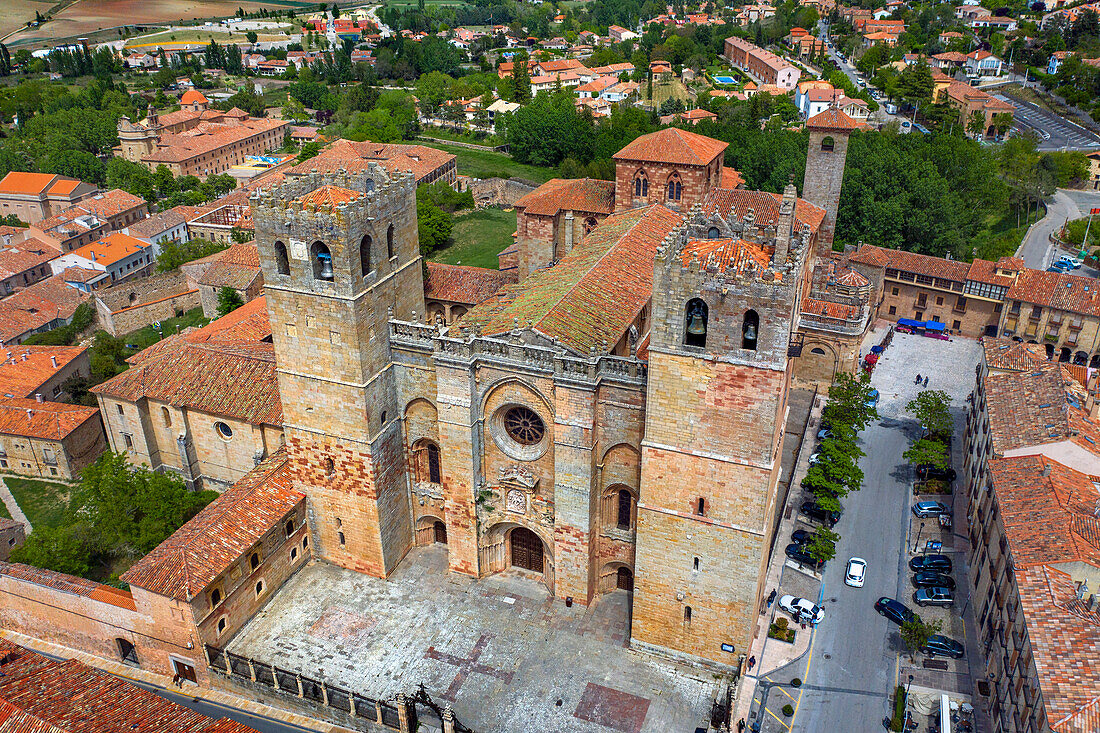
750,332
326,266
697,326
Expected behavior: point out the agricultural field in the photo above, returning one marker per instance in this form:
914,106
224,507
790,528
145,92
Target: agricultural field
406,4
87,17
14,15
202,35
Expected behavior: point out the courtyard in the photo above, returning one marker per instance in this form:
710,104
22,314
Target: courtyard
502,652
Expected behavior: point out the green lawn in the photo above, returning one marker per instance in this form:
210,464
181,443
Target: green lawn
43,502
444,134
4,511
478,237
484,164
146,337
1001,237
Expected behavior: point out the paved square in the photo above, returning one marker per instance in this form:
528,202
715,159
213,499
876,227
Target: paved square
501,651
611,708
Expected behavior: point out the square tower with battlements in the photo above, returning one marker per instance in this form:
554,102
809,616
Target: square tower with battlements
725,303
340,256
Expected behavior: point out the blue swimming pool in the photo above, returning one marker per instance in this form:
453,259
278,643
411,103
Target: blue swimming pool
725,80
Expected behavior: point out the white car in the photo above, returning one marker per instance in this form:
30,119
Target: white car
802,610
857,570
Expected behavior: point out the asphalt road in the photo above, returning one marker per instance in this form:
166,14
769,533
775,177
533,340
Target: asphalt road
853,664
1036,249
1057,133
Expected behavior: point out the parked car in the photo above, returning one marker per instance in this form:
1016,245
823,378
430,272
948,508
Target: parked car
928,471
896,611
855,573
935,563
814,511
932,579
872,399
1052,268
799,554
801,536
927,509
939,644
891,108
1071,262
934,597
802,610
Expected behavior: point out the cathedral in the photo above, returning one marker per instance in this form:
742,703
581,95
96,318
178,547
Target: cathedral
614,419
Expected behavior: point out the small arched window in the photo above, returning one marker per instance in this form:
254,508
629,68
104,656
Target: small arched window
330,467
166,416
370,185
282,261
750,330
364,254
827,143
215,597
675,190
624,509
818,350
254,560
695,323
589,224
322,262
713,233
382,419
687,614
641,184
434,472
389,241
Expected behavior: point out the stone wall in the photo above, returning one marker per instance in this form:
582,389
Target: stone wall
909,300
53,459
499,191
824,177
138,303
696,182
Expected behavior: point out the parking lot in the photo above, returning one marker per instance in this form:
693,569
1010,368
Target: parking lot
856,656
1055,132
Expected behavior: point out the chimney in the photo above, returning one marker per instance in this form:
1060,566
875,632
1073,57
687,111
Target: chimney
1092,602
53,361
30,414
38,397
24,357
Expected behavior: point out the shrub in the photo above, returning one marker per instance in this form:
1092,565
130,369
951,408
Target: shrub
796,682
781,622
788,711
898,721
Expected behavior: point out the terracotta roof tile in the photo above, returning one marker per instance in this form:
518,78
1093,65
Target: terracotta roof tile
1044,404
464,284
673,145
25,369
110,249
731,178
37,307
194,556
193,96
207,137
26,255
46,696
357,156
44,420
587,195
590,298
331,195
832,119
740,255
912,262
1064,292
158,223
765,208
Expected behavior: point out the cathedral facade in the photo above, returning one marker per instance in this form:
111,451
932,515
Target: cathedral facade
614,420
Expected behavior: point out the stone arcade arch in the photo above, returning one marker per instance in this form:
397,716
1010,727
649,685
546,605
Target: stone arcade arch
513,544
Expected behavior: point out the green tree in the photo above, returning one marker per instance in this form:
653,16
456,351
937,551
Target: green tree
927,451
848,405
932,408
521,79
61,549
432,90
433,225
1002,121
294,110
240,236
251,36
174,254
229,300
822,544
915,83
975,124
915,634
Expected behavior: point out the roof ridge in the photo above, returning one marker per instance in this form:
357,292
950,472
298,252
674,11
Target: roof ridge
645,211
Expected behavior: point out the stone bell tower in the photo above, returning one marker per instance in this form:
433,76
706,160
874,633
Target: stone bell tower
340,255
829,132
725,297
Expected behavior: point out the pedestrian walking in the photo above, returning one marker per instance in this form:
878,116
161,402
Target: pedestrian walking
918,380
177,681
741,726
771,598
926,381
752,662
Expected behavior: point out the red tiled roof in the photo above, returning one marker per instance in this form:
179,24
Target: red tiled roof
63,187
110,249
22,256
25,369
1044,404
673,145
236,267
1004,354
357,156
194,556
590,298
1057,290
464,284
898,259
765,208
731,178
587,195
193,96
44,420
39,695
1065,644
832,119
739,254
38,306
331,195
207,137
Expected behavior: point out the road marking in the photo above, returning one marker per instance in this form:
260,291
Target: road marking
788,727
786,693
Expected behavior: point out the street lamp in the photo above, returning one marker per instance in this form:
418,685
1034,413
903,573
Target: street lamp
910,682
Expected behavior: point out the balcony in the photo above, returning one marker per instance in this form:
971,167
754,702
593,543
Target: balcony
1076,324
